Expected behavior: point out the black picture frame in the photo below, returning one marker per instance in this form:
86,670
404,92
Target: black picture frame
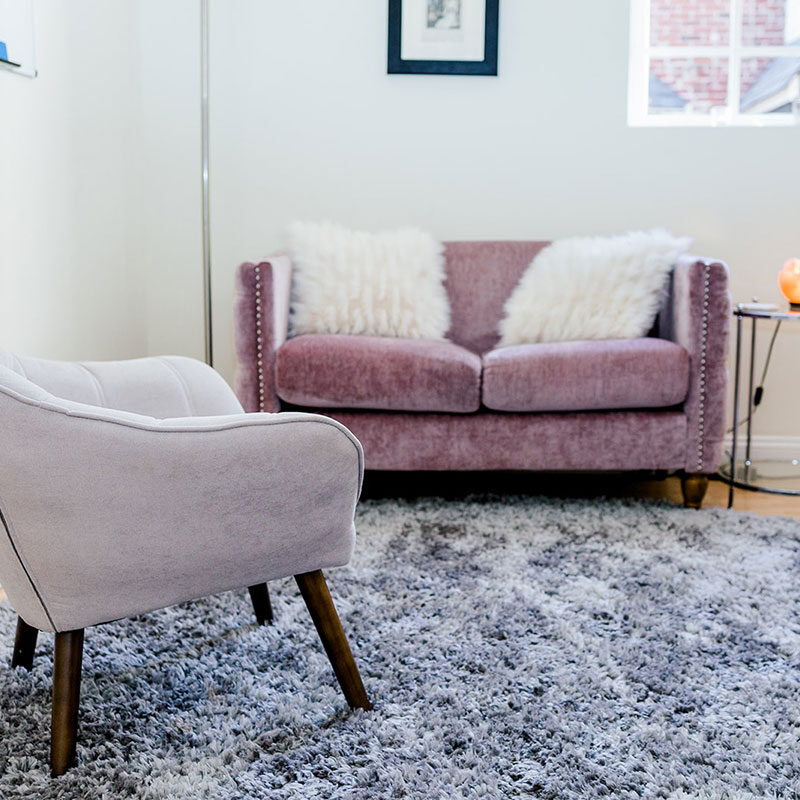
397,66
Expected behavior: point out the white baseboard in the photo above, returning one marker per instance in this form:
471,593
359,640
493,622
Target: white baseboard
766,448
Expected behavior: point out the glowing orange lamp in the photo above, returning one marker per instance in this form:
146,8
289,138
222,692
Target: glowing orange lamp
789,281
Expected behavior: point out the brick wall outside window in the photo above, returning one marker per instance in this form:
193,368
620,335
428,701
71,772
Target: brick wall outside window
702,82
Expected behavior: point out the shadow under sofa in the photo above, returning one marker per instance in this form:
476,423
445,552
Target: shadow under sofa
655,403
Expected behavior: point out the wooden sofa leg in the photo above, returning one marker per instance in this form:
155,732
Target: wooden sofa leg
259,594
323,613
66,698
24,645
694,487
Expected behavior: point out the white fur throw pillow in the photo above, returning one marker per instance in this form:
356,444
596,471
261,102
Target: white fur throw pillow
592,288
372,284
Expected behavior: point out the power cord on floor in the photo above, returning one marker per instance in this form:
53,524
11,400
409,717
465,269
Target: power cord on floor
758,394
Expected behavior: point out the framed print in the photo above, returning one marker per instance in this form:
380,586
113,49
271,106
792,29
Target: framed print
443,37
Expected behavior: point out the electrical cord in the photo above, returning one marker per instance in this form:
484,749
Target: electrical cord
758,394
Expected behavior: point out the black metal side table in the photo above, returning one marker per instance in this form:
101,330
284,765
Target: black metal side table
749,475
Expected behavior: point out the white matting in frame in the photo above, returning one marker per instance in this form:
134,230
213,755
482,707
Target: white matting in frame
443,30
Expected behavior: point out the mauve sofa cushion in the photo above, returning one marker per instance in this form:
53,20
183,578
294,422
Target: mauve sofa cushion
586,375
379,373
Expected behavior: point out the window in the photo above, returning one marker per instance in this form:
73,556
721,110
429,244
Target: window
714,62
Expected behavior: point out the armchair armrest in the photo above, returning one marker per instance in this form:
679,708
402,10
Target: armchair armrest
697,316
261,314
108,514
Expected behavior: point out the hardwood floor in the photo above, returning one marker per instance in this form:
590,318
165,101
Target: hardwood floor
616,486
717,495
393,484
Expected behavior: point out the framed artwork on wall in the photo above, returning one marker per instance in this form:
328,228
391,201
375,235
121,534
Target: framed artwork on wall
443,37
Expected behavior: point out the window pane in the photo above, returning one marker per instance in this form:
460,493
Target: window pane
689,22
691,85
770,85
770,22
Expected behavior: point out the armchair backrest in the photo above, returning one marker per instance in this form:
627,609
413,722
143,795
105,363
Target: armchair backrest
79,443
480,278
31,443
62,379
163,387
56,446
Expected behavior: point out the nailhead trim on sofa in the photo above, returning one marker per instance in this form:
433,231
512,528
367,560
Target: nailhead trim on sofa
259,341
703,350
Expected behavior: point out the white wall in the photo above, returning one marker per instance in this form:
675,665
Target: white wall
70,282
101,243
171,252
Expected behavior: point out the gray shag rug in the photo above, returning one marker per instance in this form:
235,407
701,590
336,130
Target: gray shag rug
513,647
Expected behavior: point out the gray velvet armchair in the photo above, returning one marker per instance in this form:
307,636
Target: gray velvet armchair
131,486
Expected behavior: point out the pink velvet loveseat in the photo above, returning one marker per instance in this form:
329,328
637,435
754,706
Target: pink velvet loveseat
656,403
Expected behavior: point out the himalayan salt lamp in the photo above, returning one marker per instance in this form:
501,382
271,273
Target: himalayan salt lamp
789,281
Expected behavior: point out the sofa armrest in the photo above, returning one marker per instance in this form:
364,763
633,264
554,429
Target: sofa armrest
261,323
697,316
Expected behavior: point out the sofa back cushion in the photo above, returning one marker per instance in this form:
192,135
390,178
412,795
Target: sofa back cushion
480,278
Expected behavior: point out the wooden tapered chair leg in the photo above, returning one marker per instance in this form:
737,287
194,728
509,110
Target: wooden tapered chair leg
259,594
66,698
693,486
24,645
329,627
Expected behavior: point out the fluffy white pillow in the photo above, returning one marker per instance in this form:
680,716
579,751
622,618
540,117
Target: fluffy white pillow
592,288
372,284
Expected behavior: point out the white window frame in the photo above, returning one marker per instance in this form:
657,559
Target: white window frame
641,51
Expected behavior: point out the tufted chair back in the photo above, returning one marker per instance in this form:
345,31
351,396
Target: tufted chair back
163,387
